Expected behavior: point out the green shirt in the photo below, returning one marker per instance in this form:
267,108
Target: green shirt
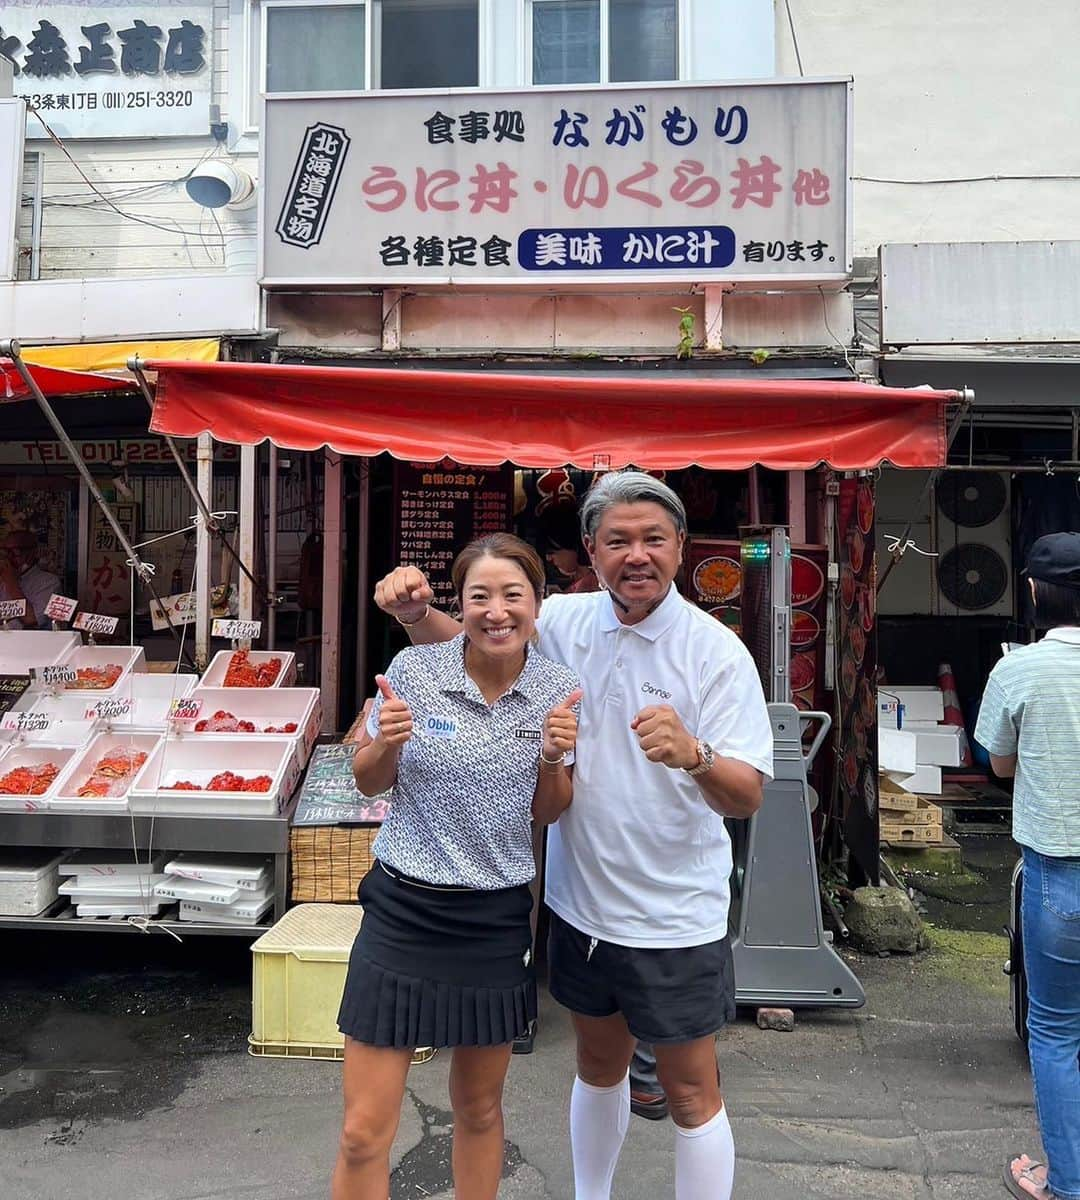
1031,708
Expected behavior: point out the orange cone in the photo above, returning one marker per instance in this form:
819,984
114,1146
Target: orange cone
953,715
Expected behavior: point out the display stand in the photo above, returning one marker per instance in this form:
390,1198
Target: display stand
98,831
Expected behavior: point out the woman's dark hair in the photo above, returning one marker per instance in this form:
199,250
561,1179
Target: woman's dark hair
500,545
1055,605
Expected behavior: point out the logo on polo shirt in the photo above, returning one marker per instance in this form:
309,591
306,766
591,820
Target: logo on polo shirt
440,727
532,735
650,689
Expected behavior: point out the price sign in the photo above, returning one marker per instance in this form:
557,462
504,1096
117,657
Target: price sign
110,710
90,622
186,709
51,675
180,609
238,631
60,608
26,722
12,610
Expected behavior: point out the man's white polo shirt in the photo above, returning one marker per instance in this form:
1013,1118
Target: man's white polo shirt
639,858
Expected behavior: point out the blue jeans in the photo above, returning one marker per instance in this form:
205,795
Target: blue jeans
1051,923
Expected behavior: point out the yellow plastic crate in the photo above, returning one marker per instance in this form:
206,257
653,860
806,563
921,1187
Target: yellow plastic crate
298,975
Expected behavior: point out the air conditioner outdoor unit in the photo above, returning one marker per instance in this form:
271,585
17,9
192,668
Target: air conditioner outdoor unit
973,571
903,496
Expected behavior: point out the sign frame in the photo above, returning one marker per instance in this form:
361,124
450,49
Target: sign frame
270,202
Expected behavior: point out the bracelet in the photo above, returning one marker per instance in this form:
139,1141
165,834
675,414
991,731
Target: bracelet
422,617
552,762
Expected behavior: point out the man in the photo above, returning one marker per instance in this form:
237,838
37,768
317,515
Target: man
674,737
22,579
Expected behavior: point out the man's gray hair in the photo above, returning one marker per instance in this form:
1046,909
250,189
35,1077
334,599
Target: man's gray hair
628,487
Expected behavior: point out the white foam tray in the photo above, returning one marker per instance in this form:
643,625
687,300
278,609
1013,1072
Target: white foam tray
24,649
150,908
109,889
245,871
65,797
214,675
151,697
130,658
263,706
241,913
26,755
199,760
110,863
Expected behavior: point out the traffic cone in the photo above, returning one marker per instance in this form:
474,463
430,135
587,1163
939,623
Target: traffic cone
953,715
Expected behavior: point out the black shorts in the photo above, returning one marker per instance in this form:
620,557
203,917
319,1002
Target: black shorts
665,995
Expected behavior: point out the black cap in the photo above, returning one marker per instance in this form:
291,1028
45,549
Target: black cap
1055,558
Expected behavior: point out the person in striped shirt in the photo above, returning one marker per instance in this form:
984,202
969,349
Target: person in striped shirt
1029,722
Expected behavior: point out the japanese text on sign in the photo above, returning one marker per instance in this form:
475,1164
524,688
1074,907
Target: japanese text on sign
12,610
94,70
744,181
26,722
110,710
60,608
96,623
185,709
58,674
238,631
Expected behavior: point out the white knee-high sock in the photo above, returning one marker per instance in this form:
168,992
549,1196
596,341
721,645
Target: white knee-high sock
705,1160
598,1120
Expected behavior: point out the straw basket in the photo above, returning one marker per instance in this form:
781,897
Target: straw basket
328,861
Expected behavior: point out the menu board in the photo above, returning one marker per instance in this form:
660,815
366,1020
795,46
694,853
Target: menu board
329,795
440,507
11,688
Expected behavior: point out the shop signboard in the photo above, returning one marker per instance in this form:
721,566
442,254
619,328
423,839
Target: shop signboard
634,183
108,575
329,796
111,68
439,507
150,451
11,688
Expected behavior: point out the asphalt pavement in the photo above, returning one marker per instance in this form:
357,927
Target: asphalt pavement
124,1076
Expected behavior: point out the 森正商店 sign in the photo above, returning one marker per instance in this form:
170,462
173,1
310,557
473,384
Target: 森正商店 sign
746,181
100,70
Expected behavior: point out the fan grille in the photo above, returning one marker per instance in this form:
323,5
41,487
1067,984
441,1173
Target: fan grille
972,576
971,498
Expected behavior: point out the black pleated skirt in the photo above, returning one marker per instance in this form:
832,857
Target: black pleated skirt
437,967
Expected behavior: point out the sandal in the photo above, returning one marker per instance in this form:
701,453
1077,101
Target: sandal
1041,1190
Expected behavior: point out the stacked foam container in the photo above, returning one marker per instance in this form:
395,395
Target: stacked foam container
218,889
112,883
913,743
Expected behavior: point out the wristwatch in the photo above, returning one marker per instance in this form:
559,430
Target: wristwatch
706,756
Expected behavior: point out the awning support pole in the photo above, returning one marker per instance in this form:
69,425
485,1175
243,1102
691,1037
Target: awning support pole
271,548
205,468
363,579
330,672
247,506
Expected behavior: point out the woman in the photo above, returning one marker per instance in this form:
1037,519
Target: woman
475,737
1029,723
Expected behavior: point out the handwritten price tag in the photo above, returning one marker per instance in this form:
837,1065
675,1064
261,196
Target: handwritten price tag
110,710
60,608
185,710
238,631
96,623
51,675
26,722
12,610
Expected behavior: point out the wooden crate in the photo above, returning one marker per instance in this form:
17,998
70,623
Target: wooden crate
919,826
328,861
892,796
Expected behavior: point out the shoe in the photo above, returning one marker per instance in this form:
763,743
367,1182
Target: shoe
649,1105
524,1043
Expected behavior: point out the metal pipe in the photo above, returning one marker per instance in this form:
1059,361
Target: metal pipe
330,664
271,551
1050,467
1076,434
247,506
203,561
838,919
35,236
363,579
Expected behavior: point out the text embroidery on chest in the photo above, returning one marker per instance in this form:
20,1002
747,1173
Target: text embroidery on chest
532,735
440,727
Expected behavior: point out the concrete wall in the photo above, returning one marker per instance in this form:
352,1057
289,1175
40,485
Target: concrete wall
969,88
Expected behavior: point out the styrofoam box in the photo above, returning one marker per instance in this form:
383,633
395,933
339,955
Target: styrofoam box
248,872
151,697
24,755
241,913
888,711
130,658
24,649
937,745
924,781
897,750
920,703
214,675
148,908
264,706
66,799
108,863
28,880
68,725
199,760
109,889
174,888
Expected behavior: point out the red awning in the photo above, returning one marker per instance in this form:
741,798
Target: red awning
56,382
547,420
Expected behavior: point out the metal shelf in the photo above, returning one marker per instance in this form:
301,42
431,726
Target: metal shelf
100,831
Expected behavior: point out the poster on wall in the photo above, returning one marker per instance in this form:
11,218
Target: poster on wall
439,507
111,68
108,577
45,513
856,742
